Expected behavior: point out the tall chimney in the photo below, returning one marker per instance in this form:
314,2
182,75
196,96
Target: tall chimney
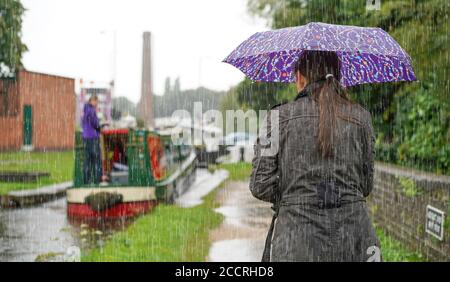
146,102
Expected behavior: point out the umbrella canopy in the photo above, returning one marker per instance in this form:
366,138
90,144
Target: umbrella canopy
367,55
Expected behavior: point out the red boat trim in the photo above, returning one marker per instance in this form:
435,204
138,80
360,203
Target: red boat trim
129,209
115,131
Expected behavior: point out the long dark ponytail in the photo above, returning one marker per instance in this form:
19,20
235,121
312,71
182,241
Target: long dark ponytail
323,67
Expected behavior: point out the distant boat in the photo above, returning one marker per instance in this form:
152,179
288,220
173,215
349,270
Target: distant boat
144,168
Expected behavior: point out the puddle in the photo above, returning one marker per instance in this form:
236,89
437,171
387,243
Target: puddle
236,250
242,234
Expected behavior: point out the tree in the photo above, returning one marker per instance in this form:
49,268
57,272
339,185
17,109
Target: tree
11,49
176,86
167,86
11,46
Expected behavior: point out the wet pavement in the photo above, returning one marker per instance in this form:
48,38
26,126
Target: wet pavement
242,235
204,183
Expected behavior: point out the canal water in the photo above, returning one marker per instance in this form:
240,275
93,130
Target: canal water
43,233
33,233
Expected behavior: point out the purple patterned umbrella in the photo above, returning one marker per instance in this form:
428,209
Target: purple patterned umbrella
367,55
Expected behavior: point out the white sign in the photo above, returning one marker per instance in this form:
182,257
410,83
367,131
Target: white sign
434,222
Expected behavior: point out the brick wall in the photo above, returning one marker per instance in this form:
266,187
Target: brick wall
10,136
398,205
53,104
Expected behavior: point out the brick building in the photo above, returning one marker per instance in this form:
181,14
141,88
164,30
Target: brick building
37,111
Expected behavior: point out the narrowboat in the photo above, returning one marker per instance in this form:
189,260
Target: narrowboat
144,168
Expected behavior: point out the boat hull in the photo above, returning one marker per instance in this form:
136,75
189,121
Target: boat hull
131,209
135,201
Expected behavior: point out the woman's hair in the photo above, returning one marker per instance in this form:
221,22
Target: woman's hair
93,98
316,66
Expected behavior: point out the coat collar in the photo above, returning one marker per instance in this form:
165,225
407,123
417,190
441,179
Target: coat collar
307,89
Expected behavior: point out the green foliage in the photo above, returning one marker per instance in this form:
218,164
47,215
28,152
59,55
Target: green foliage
267,94
409,187
59,164
257,95
447,218
11,46
238,171
230,101
411,119
47,257
422,128
393,251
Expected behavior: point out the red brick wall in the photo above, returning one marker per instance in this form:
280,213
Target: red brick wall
53,103
10,127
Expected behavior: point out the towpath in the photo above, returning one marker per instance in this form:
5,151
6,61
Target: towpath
242,234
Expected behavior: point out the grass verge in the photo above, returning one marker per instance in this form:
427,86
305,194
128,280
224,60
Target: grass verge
59,164
168,233
394,251
238,171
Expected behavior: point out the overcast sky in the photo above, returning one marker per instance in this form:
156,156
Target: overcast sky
190,38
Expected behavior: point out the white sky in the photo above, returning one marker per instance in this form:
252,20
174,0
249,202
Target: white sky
190,38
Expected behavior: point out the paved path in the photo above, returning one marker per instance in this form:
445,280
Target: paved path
204,183
242,234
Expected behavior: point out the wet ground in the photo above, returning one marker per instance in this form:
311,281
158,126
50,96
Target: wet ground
204,183
43,233
242,235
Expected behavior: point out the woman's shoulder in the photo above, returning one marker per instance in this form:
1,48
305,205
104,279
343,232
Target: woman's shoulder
363,114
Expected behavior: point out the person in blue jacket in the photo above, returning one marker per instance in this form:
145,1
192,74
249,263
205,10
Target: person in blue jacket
91,133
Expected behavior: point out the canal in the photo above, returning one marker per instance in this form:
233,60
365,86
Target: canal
29,233
43,232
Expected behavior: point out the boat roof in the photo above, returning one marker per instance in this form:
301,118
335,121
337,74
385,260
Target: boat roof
123,131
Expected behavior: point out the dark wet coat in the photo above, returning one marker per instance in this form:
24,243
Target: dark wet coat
320,209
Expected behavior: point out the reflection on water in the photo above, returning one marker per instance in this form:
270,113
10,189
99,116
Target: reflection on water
241,236
29,232
44,233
